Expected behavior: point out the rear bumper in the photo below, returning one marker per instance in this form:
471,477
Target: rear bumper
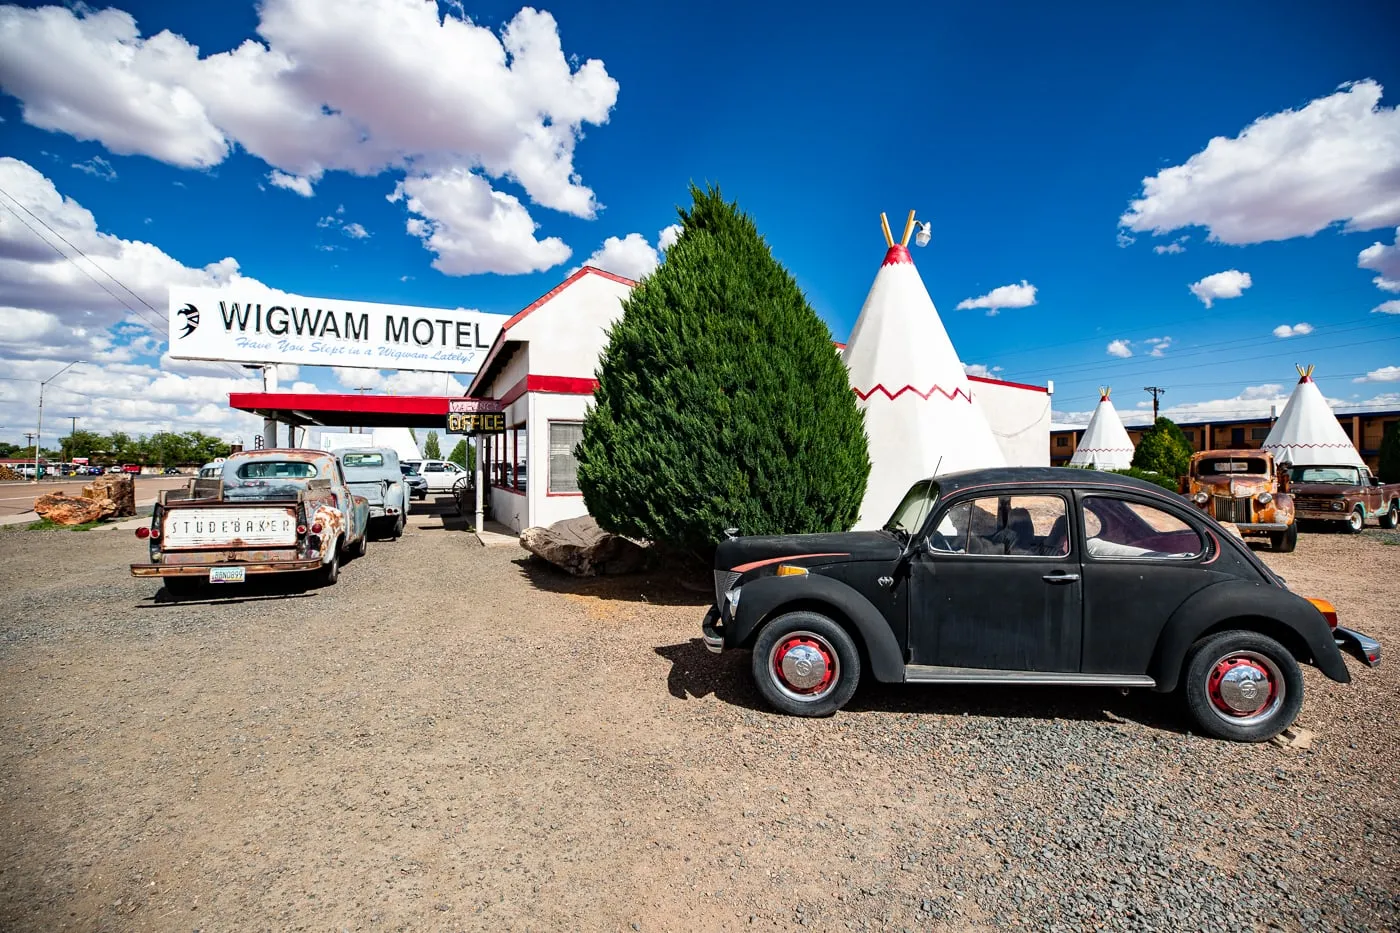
1362,647
712,631
202,570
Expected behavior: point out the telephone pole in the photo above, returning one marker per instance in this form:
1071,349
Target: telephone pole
1156,391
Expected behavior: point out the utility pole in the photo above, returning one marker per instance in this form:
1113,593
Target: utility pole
39,428
1156,391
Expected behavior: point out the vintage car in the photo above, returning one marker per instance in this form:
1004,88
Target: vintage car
1029,575
1346,494
269,511
373,472
1243,488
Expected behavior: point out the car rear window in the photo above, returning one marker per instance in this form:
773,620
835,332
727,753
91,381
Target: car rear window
277,469
362,460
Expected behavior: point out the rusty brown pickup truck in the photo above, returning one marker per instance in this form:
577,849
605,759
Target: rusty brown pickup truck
1243,488
268,511
1346,494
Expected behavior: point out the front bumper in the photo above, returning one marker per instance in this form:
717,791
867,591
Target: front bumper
1362,647
1260,527
202,570
712,631
1323,515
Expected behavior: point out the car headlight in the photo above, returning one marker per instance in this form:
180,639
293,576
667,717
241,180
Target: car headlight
731,602
1337,506
1264,498
1201,498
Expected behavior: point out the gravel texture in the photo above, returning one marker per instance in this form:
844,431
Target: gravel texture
455,737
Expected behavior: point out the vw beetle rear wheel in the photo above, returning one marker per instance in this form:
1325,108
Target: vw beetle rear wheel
1243,686
805,664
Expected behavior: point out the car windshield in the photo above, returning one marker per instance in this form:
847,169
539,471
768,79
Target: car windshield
910,515
277,469
1336,475
408,469
1232,467
362,460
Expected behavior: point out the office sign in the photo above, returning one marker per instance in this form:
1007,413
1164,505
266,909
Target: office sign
257,325
475,416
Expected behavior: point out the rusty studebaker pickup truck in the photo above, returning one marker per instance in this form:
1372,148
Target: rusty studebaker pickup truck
1347,494
268,511
1243,488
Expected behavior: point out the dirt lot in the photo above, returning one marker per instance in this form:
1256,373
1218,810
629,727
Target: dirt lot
455,738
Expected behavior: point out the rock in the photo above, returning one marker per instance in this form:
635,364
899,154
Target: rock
73,510
119,488
579,546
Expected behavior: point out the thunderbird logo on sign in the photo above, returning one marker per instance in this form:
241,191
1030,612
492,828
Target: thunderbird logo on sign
191,315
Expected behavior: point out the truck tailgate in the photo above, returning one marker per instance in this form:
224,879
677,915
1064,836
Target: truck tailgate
262,525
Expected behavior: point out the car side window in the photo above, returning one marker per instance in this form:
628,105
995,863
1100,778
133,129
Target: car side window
432,468
1117,528
1008,526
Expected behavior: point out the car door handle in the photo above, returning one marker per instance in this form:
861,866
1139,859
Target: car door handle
1061,578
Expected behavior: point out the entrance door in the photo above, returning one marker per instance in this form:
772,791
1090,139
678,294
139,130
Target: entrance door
999,587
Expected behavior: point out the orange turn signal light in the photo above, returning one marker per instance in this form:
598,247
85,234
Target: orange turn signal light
790,570
1329,611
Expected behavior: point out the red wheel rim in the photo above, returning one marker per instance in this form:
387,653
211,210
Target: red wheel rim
1242,686
805,665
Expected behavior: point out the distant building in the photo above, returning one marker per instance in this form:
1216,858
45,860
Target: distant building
1364,428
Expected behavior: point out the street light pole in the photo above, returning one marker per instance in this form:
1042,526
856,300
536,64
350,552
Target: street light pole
39,429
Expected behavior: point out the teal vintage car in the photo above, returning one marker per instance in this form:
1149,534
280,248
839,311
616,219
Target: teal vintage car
373,472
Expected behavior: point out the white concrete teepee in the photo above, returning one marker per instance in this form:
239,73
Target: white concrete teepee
1308,433
920,414
1105,445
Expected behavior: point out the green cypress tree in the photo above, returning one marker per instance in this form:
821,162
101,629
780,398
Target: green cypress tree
1163,449
721,400
1389,471
431,450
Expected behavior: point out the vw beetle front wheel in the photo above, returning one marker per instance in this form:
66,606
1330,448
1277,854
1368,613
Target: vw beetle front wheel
1242,686
805,664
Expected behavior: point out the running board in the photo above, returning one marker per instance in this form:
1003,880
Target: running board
929,674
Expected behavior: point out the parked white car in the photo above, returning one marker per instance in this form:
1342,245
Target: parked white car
440,474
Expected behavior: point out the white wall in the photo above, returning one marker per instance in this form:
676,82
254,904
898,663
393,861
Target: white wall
546,509
1020,421
568,333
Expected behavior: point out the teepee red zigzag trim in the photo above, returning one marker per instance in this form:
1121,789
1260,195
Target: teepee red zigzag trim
879,387
1296,444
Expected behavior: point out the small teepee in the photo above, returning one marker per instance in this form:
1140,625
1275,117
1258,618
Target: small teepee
1105,445
1308,433
920,414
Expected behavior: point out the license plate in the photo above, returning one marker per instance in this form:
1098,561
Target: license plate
227,574
230,527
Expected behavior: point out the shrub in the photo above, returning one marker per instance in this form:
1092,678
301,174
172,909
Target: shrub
1161,479
1164,449
721,400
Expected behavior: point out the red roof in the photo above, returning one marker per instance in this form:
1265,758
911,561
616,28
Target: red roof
347,409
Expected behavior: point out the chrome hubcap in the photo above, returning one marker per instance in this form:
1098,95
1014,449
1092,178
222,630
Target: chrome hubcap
1245,687
805,666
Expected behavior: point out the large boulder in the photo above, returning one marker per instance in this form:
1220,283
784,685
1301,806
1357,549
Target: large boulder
119,488
580,547
73,510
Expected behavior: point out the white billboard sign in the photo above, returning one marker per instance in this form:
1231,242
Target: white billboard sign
256,325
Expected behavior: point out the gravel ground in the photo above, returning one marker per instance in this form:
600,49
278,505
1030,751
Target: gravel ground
456,738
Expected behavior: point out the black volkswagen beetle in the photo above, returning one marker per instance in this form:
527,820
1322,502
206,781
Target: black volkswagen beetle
1021,576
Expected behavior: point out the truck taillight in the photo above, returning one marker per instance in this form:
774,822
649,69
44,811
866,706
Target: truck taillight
315,528
155,534
1329,611
143,532
301,530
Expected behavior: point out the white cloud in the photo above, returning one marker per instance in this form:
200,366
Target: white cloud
1384,374
1175,246
1228,284
1285,175
1387,307
355,231
473,228
631,256
1159,345
1383,259
978,369
1004,296
97,167
668,236
1121,349
361,86
297,183
1293,330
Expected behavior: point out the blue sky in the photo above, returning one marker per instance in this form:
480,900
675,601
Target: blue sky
1024,132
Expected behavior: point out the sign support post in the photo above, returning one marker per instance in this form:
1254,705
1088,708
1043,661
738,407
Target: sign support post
479,491
476,416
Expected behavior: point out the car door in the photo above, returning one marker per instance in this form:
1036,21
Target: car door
998,586
1141,560
436,474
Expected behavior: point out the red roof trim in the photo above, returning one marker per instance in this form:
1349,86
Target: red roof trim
534,306
561,385
336,402
1013,385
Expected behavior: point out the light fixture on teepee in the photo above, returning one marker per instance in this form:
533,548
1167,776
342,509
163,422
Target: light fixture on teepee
920,414
1106,444
1308,433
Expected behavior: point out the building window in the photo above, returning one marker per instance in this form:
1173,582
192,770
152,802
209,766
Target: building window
519,450
1062,441
1258,434
564,437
